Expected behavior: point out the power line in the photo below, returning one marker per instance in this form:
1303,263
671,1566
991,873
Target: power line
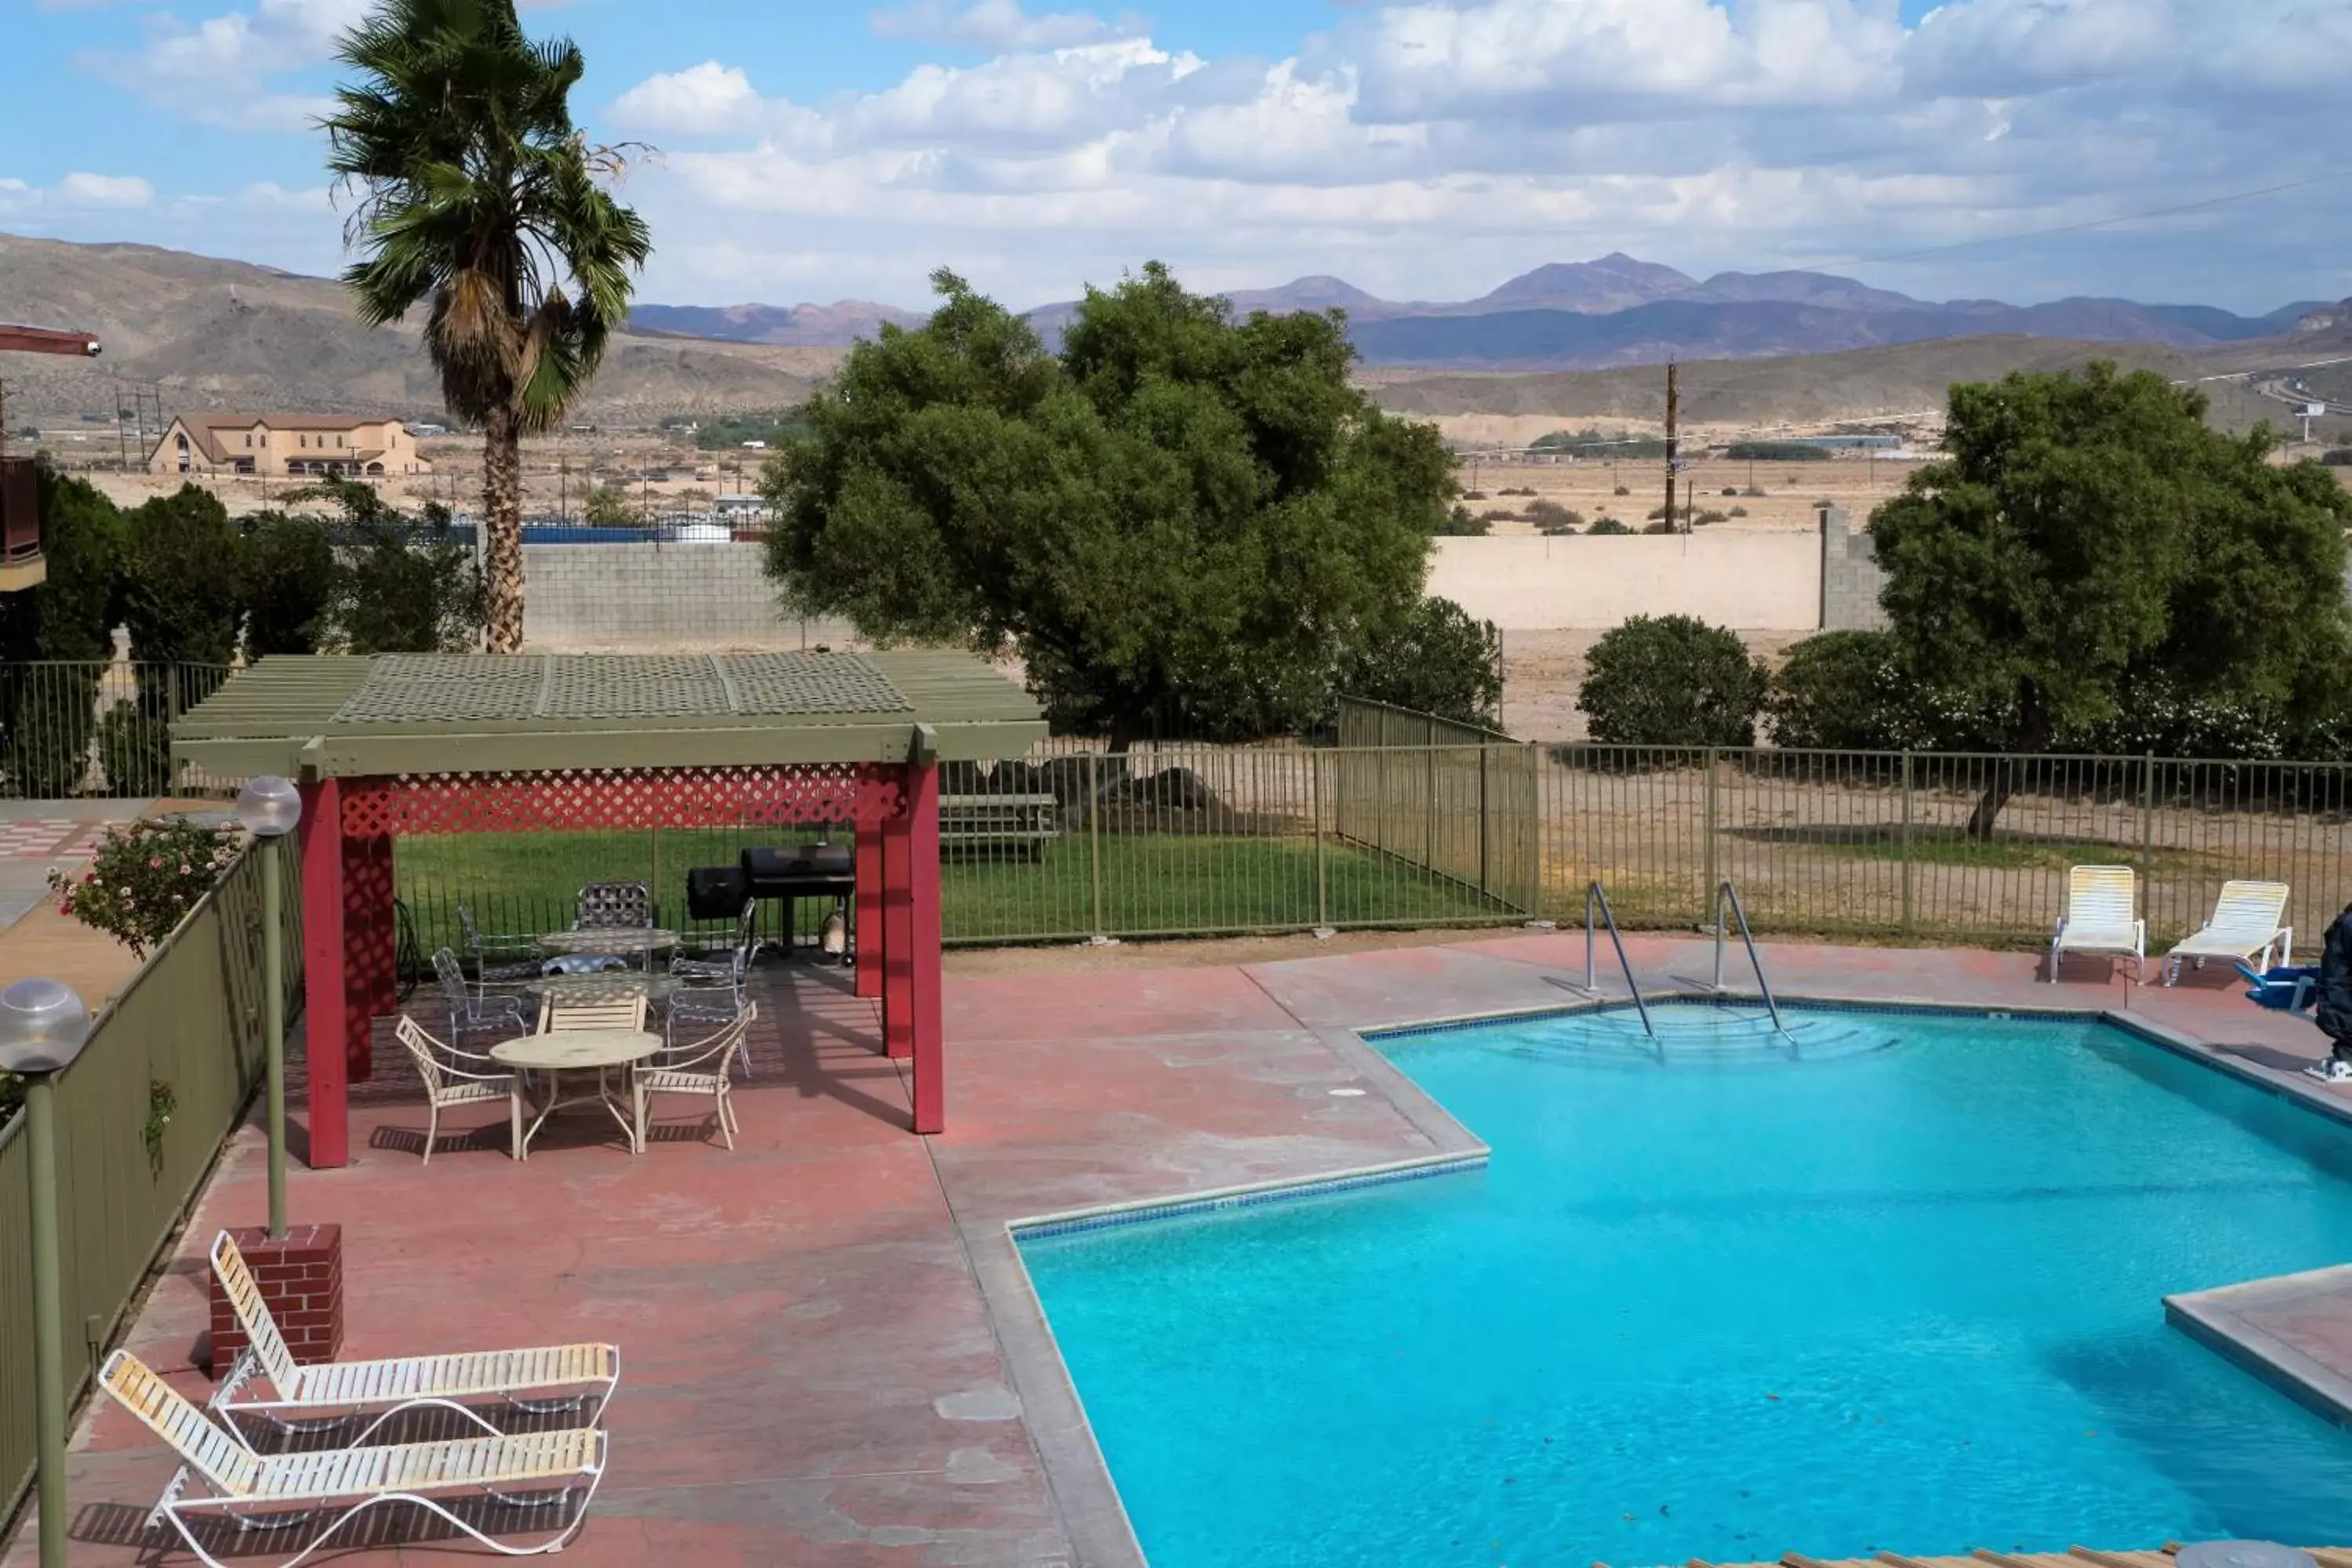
2096,223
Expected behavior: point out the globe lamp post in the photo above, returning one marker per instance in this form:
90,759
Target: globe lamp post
43,1026
268,808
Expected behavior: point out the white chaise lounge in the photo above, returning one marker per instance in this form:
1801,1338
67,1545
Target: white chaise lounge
2100,917
2249,919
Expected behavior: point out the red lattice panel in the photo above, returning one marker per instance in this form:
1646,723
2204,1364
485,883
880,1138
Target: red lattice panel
863,794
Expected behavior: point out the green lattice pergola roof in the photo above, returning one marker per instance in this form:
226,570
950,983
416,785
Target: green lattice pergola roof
356,717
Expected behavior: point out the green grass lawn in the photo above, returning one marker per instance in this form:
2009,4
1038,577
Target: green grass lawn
1149,884
2006,852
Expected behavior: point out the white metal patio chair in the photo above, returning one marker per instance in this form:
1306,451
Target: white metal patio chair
2249,917
700,1068
520,960
452,1079
472,1013
602,1013
2100,917
698,1011
614,906
726,970
304,1398
223,1483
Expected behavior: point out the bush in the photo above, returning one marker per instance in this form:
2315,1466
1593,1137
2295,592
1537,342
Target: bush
2337,457
1441,662
1474,494
1754,493
290,582
1624,490
1708,516
1737,511
1671,680
1606,525
1459,524
1659,526
1840,691
134,747
181,579
143,881
1522,491
1775,452
1659,514
1732,489
1551,516
1498,514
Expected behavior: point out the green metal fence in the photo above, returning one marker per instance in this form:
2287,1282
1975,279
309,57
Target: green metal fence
140,1114
98,728
1204,840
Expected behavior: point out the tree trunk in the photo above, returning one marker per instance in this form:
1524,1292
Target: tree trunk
1995,795
502,529
2031,738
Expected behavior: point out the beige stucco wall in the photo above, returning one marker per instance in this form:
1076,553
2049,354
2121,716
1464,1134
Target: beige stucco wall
286,447
1753,581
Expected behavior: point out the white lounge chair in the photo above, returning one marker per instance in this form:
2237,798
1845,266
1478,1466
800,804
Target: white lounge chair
239,1492
348,1391
2100,917
2249,917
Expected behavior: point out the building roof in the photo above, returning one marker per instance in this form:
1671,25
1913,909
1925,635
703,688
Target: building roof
346,716
207,428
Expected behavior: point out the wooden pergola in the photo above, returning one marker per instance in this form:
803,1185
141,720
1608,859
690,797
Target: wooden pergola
397,744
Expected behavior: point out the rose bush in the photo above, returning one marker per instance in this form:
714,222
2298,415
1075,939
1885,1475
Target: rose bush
144,879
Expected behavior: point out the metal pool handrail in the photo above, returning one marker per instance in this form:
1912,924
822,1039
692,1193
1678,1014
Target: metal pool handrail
1727,893
1594,899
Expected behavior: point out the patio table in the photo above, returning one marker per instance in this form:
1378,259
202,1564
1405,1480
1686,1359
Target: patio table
580,1051
620,942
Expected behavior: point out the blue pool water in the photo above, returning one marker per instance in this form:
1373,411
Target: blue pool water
1900,1294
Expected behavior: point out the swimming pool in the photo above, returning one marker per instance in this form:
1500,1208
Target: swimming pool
1900,1292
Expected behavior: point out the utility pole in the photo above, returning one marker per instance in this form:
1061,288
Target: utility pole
1673,427
1690,504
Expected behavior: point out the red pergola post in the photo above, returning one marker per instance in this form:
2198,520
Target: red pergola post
923,851
371,947
897,936
325,1032
870,939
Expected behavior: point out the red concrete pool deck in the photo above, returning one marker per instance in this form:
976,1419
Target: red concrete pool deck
830,1354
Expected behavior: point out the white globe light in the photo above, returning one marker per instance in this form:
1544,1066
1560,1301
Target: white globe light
43,1025
269,807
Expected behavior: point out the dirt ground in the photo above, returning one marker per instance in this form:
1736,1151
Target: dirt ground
1792,491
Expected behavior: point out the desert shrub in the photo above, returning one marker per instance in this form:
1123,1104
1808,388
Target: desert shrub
1606,525
1474,494
1737,511
1559,531
1521,490
1658,514
2337,457
1843,692
1661,525
1709,515
1459,524
1671,680
1498,514
1624,490
1754,493
1732,489
144,879
1549,515
1442,662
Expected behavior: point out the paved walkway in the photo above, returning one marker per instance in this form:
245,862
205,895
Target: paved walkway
34,835
830,1355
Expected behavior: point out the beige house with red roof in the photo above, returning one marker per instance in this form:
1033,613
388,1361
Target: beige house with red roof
286,446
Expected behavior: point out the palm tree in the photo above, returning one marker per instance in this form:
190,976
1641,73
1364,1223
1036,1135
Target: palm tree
478,198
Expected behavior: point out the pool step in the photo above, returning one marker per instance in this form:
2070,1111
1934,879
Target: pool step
1699,1036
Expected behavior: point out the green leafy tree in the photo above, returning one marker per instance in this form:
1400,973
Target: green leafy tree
2088,536
1440,661
480,200
1670,680
1179,516
404,584
182,583
1846,691
50,709
292,582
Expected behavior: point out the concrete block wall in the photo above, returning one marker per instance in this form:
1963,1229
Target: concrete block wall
649,598
1850,578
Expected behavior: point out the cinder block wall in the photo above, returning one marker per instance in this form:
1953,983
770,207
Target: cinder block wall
1851,579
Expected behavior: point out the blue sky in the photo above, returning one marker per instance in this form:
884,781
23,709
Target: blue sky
1423,149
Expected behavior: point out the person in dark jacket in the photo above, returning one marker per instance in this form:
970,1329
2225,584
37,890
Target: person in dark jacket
2335,999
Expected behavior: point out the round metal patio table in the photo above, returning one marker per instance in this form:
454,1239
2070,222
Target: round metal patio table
581,1051
619,941
612,985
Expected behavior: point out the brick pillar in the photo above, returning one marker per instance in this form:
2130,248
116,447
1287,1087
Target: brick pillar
898,937
923,854
868,912
302,1280
325,1049
372,948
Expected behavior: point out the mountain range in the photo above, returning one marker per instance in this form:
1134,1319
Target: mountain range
1576,315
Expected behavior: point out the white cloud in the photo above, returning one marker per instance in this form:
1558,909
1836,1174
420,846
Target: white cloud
218,71
700,100
996,26
80,189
